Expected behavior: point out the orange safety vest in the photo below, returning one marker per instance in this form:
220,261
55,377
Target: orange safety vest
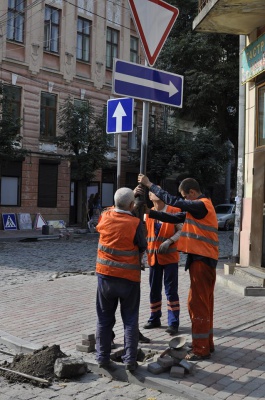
153,242
117,255
200,236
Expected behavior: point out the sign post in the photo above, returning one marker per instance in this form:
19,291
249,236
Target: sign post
153,20
119,120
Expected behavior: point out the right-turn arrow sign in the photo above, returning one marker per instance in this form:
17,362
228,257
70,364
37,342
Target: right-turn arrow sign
145,83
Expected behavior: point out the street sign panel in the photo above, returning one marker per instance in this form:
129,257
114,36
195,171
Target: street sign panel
145,83
120,115
153,20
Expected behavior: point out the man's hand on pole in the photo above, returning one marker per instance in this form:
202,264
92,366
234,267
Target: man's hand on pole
138,191
143,179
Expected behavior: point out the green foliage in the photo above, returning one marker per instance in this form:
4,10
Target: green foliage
83,138
210,66
203,157
10,139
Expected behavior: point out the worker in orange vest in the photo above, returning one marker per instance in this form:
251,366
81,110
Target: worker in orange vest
121,246
199,239
163,257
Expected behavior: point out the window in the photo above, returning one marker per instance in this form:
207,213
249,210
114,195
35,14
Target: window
83,39
51,29
132,136
15,20
10,182
12,103
47,184
111,138
80,103
48,115
112,46
134,49
261,116
153,122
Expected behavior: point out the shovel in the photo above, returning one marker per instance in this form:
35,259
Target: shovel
175,343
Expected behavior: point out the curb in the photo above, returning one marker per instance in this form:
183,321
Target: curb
19,345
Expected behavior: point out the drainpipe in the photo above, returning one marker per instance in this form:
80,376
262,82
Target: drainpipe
241,159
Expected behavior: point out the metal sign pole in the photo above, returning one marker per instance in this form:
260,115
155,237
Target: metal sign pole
144,142
144,145
119,161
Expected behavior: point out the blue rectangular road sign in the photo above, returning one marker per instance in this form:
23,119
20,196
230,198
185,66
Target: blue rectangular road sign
120,115
145,83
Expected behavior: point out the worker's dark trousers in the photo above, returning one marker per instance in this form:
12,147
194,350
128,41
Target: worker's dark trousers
170,274
110,291
201,306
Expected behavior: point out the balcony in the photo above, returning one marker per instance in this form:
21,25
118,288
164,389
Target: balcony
238,17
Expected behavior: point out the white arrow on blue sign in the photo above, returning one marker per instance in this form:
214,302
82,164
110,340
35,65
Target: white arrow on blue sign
120,115
145,83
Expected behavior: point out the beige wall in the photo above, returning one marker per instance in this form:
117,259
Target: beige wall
36,71
254,169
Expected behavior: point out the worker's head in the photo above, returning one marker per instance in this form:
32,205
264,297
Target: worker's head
189,188
153,197
124,199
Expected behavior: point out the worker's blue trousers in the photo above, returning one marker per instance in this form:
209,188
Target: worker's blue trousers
170,273
110,291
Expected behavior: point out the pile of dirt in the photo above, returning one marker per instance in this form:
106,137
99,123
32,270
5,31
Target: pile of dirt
40,364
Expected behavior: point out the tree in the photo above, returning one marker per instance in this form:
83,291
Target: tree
10,138
203,157
85,140
210,66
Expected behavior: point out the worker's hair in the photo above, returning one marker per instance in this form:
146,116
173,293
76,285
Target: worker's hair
189,183
123,198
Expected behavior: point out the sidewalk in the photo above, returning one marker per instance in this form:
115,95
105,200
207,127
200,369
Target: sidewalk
60,310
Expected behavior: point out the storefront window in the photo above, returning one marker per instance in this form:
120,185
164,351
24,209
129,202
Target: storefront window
261,116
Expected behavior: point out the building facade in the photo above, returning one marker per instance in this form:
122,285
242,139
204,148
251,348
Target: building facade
247,20
51,50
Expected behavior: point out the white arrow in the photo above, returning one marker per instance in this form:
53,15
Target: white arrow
118,114
170,88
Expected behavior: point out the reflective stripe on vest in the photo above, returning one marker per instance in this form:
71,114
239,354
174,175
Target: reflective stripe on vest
117,255
110,250
117,264
153,242
200,236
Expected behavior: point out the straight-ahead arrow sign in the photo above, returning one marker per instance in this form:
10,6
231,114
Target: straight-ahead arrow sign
145,83
119,115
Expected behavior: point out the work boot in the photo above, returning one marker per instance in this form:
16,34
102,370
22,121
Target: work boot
131,367
152,324
172,330
108,365
143,339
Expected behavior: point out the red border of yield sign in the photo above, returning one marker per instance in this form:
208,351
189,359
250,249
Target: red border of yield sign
151,58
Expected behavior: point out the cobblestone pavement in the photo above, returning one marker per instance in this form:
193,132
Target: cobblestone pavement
36,305
22,262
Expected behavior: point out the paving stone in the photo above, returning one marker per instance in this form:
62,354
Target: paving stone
89,336
66,368
155,368
187,366
85,349
29,271
165,362
177,372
